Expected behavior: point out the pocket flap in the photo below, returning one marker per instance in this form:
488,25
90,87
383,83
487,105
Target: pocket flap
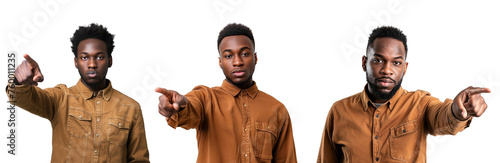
404,129
267,127
80,114
119,123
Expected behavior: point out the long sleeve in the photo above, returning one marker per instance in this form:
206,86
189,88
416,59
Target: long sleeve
328,152
284,150
137,148
192,116
441,120
33,99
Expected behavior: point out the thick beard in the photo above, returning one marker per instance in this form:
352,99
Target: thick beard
382,95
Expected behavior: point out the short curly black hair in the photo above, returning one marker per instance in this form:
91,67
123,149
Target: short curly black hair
235,29
96,31
387,31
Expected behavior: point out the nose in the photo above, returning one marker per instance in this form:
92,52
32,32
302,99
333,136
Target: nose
92,63
386,69
237,61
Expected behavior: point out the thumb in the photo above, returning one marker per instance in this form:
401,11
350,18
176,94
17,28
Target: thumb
459,103
179,101
38,76
464,112
176,106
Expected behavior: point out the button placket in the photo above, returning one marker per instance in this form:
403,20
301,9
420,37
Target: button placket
375,132
98,125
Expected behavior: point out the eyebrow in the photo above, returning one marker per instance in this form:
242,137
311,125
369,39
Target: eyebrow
86,53
381,56
241,49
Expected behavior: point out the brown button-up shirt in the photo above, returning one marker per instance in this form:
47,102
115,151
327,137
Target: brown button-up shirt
103,127
235,125
396,131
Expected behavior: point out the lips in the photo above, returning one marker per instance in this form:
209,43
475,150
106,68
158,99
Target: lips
238,73
92,74
385,82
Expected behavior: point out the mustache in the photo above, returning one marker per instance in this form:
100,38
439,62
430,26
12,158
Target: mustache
394,81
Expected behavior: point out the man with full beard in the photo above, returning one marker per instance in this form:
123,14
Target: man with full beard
386,123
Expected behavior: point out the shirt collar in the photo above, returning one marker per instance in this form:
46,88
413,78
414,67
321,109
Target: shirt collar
234,91
88,94
392,102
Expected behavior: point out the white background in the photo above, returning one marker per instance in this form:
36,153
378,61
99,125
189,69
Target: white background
309,57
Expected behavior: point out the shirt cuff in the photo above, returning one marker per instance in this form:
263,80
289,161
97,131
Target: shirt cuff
173,121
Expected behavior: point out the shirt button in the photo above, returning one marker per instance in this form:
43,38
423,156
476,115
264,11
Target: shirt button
98,101
80,116
376,115
245,105
98,119
376,159
268,127
376,137
246,155
95,151
119,124
245,130
97,135
404,131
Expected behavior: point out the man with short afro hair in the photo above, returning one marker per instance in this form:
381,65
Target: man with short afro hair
235,122
91,121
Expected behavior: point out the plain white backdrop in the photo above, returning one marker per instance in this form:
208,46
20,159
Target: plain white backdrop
309,57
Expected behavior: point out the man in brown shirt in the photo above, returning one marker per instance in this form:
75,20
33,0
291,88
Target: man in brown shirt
235,122
385,123
91,121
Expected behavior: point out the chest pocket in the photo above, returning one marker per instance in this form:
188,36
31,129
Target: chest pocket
79,122
265,138
404,141
118,130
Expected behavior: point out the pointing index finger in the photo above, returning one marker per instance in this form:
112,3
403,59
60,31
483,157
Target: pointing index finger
30,60
477,90
162,91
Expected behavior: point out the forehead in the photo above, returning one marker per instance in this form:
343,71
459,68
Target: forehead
236,41
387,47
92,44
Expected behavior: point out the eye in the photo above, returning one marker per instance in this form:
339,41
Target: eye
377,61
397,63
228,56
84,58
100,57
245,54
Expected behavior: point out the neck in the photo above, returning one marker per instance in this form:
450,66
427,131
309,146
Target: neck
97,87
245,85
374,98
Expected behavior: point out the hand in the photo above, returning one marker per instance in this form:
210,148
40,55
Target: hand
28,72
170,102
469,102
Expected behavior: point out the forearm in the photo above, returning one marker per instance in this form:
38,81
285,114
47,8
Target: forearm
32,99
189,117
443,121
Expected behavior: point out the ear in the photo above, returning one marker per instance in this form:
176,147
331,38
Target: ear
76,63
255,55
220,63
110,61
363,64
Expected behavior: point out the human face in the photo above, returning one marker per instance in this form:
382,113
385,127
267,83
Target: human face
237,60
385,67
92,62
